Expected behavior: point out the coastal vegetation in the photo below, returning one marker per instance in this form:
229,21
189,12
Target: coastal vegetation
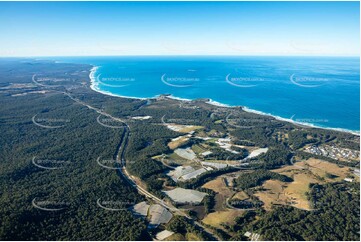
78,183
56,154
256,178
336,216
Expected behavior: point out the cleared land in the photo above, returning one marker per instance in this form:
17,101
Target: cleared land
240,195
303,173
223,192
176,159
218,218
273,193
200,210
175,237
257,152
176,142
218,185
321,168
192,237
183,128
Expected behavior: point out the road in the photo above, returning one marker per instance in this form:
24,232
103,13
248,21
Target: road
123,171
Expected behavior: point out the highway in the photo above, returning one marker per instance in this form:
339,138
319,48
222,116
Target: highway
122,165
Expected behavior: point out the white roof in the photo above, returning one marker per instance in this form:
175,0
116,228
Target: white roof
207,153
182,195
247,234
193,174
159,215
141,208
216,165
163,234
187,153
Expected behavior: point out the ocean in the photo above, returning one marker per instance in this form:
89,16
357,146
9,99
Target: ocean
317,91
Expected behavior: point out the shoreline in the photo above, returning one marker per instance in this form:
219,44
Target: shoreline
94,87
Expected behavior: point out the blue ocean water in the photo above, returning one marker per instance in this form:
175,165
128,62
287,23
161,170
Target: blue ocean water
322,91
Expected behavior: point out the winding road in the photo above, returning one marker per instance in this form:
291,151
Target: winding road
120,157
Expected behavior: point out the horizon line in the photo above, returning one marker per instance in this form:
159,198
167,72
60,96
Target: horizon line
179,55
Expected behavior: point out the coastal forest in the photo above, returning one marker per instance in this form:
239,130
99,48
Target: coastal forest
63,164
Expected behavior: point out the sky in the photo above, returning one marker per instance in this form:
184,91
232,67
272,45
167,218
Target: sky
179,28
